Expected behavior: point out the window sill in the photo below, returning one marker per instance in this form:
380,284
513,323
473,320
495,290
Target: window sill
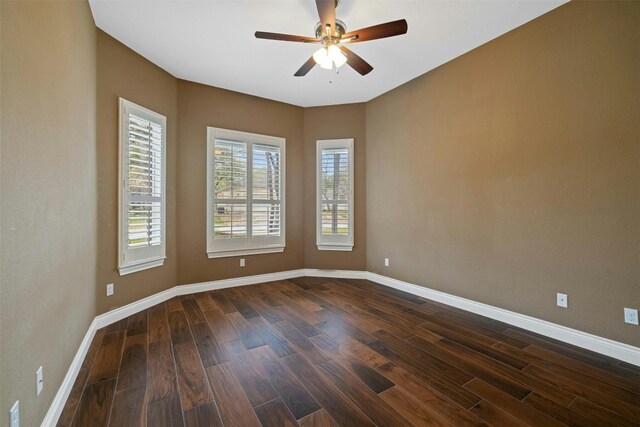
134,268
343,248
224,254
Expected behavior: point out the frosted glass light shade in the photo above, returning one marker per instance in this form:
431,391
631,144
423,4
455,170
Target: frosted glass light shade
337,56
322,58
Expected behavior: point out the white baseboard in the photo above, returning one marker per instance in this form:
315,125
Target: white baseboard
618,350
336,274
60,399
591,342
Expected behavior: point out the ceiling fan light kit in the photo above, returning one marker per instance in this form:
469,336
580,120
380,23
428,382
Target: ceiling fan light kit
331,34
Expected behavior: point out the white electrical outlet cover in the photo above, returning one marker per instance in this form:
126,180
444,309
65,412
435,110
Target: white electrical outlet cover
110,289
386,262
631,316
39,381
241,262
562,300
14,415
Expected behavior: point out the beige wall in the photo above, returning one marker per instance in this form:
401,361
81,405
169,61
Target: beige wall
47,196
513,172
335,122
200,106
124,73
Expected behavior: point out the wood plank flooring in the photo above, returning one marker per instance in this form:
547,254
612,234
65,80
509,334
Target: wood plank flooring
330,352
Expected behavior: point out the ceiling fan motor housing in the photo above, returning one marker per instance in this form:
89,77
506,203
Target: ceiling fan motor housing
341,28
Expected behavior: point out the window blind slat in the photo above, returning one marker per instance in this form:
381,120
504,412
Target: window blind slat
144,221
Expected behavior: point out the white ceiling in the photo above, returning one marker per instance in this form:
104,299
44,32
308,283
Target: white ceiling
212,41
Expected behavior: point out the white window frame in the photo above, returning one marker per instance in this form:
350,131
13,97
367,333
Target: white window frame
325,242
217,248
134,260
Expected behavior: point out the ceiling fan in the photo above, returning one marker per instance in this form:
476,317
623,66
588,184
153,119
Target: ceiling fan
332,34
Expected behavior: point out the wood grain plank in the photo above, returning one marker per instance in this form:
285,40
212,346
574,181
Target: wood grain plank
233,404
369,376
138,323
222,302
561,413
275,414
203,416
510,405
275,340
377,409
434,401
129,408
205,302
107,360
414,411
165,413
253,380
95,403
133,367
174,304
469,341
289,389
220,325
248,335
71,405
211,353
319,418
299,341
495,416
161,374
192,380
629,411
120,325
192,312
158,324
439,382
515,382
600,415
341,408
179,327
93,349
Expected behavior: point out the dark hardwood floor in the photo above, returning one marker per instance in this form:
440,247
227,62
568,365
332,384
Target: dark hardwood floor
327,352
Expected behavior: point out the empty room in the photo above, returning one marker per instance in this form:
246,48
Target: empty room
319,213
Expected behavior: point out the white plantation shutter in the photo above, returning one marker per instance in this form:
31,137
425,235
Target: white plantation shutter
142,201
335,194
245,185
266,197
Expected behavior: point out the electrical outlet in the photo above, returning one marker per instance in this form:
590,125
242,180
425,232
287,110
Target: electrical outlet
110,289
386,262
631,316
39,381
562,300
241,262
14,415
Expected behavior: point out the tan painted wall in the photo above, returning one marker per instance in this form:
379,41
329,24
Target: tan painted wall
513,172
335,122
47,197
200,106
124,73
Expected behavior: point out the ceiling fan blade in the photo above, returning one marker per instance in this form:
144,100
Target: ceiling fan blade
285,37
327,13
355,62
380,31
306,67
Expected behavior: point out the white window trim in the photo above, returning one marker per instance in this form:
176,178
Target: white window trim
249,138
334,243
128,267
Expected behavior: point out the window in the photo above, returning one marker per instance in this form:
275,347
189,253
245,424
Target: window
245,193
334,171
142,188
